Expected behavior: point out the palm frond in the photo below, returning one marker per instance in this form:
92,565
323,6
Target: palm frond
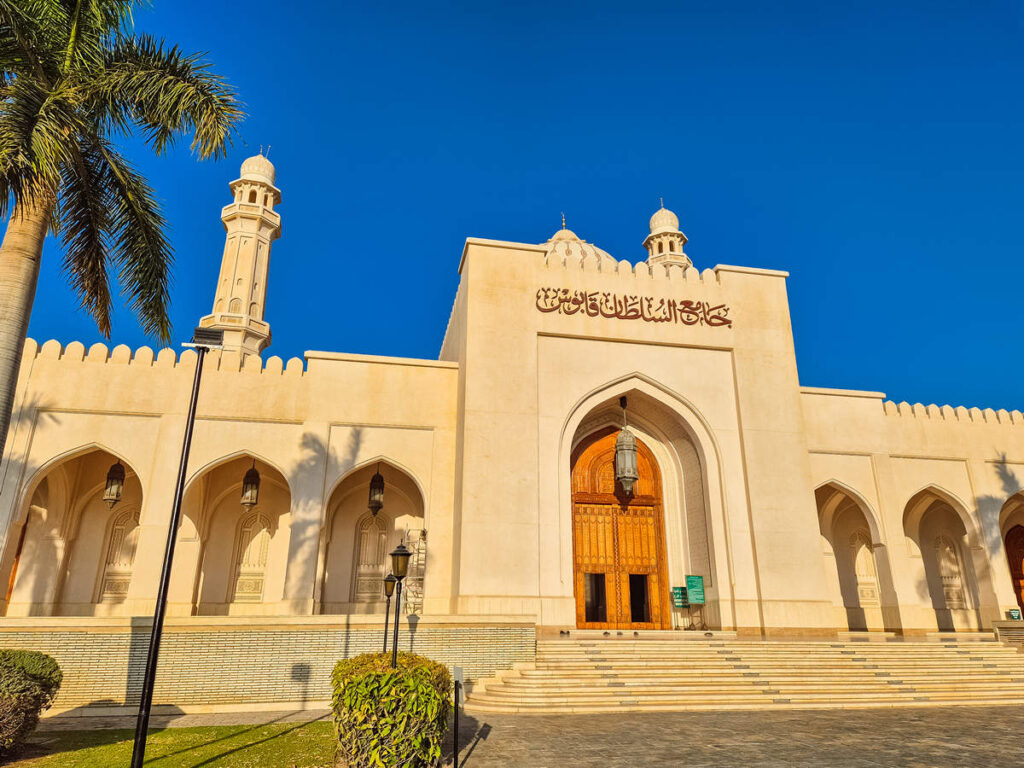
140,249
83,221
38,134
167,93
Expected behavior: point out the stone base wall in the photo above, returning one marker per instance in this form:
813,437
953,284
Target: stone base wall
250,662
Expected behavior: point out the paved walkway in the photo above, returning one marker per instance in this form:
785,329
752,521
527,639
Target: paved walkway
911,738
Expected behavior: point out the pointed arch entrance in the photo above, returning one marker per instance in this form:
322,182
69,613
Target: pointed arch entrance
620,575
1015,554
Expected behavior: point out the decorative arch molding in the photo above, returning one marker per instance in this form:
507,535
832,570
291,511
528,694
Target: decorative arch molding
921,501
37,476
1011,513
378,459
212,465
585,416
828,510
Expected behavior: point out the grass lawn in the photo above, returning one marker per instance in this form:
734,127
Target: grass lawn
280,745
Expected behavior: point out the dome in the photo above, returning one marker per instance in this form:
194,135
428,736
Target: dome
258,168
664,220
565,243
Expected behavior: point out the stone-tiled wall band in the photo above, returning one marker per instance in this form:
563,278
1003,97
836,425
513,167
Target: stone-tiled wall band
251,666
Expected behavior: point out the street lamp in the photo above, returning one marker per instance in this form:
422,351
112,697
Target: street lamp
203,340
399,567
115,484
389,590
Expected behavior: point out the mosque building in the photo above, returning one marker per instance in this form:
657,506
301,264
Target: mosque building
593,432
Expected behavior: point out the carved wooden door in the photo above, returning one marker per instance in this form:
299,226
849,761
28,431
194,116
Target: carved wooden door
620,577
1015,553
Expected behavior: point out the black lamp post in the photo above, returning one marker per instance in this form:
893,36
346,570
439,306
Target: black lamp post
203,340
389,590
399,567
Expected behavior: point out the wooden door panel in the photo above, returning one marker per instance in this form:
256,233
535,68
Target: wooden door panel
618,535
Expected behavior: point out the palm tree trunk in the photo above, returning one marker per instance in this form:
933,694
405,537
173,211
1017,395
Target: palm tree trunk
20,254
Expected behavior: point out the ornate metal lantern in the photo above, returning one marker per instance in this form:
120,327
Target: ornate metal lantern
376,502
389,587
400,561
115,484
626,472
251,488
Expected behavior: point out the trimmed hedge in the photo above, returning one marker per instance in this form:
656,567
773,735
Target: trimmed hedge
29,681
393,718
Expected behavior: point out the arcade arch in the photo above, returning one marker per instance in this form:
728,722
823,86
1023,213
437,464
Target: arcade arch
863,583
356,543
944,536
71,553
231,557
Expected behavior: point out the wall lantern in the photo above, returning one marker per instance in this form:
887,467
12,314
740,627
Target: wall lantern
251,487
376,502
625,455
115,484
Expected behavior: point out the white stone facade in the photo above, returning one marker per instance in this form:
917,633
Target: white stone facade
806,510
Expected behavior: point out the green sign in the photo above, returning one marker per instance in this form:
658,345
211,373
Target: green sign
1014,614
679,597
695,589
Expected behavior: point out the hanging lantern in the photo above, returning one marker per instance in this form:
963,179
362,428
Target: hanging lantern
626,473
376,502
251,488
115,485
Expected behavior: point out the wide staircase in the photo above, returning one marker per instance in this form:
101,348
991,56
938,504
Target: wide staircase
617,674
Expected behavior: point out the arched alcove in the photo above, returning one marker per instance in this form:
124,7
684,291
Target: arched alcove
70,553
944,535
859,564
231,557
1011,526
356,543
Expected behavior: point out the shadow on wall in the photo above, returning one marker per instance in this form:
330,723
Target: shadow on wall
32,414
989,507
316,461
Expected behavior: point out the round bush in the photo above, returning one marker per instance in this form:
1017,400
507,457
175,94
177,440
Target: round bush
390,717
29,682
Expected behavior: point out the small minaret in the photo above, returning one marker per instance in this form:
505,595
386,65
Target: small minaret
252,226
665,243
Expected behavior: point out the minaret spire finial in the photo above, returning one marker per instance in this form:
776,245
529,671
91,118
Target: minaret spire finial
563,219
268,152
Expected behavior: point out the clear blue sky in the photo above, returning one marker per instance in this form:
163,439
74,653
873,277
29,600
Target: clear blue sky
874,150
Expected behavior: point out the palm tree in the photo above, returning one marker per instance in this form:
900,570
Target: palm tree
73,77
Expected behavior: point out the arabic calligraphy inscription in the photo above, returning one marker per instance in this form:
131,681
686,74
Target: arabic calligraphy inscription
629,307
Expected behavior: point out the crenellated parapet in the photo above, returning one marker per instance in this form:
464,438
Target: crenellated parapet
949,413
167,358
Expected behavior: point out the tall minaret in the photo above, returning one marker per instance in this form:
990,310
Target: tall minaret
252,225
665,243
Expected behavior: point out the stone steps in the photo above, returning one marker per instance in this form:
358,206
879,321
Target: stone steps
665,674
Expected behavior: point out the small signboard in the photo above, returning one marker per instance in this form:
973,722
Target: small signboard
695,590
679,597
1014,614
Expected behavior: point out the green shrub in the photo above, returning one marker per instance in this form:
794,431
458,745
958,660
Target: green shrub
29,681
393,718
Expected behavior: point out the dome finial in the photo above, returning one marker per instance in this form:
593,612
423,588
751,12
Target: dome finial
563,219
662,199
